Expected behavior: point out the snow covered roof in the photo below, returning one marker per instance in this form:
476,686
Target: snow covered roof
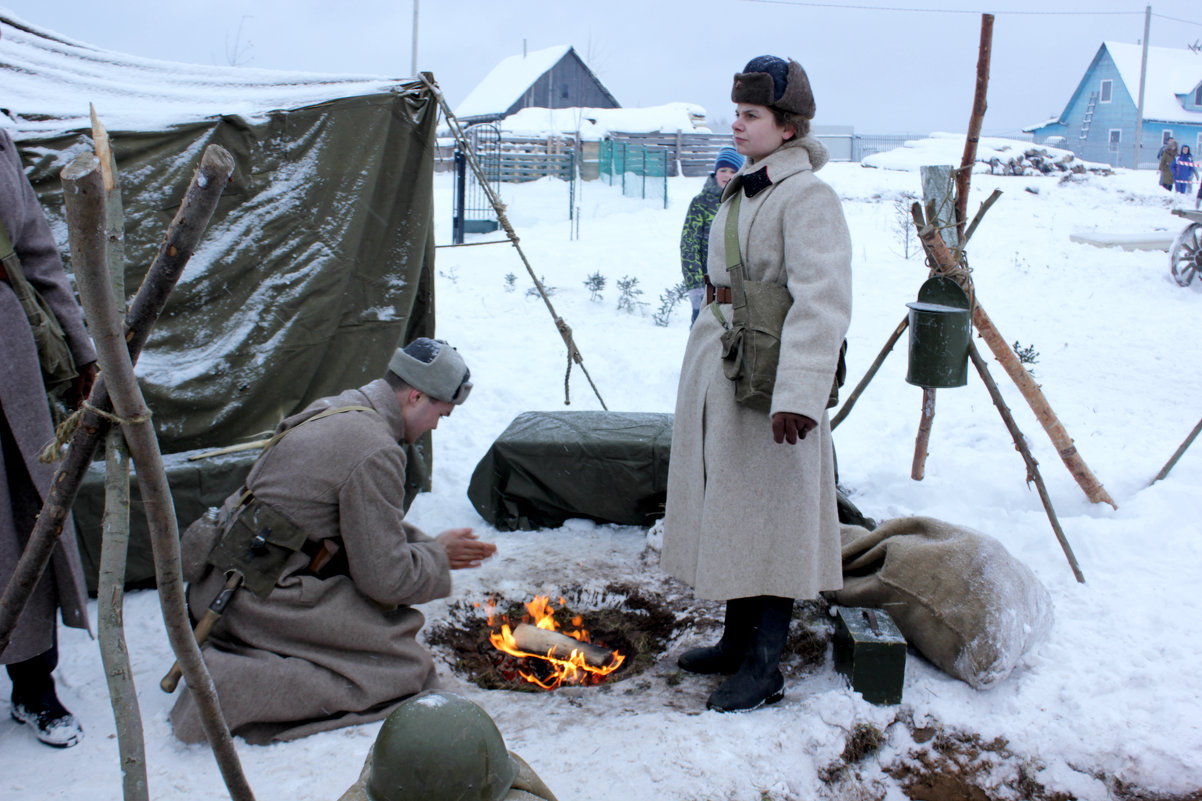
49,81
508,81
1171,72
596,123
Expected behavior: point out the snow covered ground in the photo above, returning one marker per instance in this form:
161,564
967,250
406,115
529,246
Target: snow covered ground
1112,699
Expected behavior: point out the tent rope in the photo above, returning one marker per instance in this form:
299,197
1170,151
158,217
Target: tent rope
565,331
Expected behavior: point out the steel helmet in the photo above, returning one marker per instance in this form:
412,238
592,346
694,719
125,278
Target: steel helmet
437,746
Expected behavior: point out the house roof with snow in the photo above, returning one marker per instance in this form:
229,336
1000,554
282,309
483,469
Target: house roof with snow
1172,77
49,82
555,77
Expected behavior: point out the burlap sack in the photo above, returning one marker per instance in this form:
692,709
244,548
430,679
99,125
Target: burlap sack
958,596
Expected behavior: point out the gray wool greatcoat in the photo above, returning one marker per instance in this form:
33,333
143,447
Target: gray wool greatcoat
747,516
320,653
26,414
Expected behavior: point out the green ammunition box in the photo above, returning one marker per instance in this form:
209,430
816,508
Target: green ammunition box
871,653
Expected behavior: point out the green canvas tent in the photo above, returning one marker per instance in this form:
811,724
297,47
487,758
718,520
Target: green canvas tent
318,261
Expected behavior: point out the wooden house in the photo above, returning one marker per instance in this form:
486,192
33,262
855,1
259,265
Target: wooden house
555,77
1099,122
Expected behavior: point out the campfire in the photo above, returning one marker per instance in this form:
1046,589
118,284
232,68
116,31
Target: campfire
618,631
548,655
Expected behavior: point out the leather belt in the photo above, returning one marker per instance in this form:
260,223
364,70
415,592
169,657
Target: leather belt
718,293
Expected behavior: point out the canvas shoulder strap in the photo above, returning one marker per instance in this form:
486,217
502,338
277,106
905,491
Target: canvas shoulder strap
271,443
54,353
734,263
6,245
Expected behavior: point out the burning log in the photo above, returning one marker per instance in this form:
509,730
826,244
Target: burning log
543,642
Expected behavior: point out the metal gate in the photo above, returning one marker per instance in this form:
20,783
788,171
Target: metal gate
473,213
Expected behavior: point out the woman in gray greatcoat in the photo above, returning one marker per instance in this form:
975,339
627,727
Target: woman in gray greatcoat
25,428
751,509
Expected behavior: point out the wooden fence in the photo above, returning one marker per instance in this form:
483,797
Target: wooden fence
526,158
689,154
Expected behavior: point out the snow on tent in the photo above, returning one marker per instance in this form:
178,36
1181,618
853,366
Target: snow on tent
316,264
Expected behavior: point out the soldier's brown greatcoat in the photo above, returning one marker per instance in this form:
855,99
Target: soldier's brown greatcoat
26,414
320,653
747,516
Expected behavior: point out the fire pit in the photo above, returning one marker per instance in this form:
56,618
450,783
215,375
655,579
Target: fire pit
583,638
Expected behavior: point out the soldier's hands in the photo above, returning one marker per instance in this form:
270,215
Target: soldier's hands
82,388
790,427
464,549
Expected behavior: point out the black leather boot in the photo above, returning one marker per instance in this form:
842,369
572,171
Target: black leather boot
759,680
36,703
727,654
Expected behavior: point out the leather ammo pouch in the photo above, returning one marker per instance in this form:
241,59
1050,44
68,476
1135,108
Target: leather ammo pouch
54,355
254,540
257,541
751,346
751,343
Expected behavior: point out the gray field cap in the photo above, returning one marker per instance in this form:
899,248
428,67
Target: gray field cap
434,367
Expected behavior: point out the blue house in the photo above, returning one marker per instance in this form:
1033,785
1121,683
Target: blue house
1098,124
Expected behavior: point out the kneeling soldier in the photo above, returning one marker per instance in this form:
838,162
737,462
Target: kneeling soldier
320,642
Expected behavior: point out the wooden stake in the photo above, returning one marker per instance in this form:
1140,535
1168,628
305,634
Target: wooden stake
114,542
1020,443
84,196
918,468
872,370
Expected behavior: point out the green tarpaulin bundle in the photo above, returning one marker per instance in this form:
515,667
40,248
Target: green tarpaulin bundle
547,467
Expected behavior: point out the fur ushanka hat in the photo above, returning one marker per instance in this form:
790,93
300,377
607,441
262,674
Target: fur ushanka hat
433,367
774,82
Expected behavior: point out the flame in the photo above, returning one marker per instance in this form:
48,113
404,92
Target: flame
573,670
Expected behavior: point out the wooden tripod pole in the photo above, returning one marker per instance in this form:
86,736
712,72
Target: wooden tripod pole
868,376
565,330
1164,471
963,178
1032,466
1093,488
84,197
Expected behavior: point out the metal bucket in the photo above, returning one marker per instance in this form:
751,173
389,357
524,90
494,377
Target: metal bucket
940,327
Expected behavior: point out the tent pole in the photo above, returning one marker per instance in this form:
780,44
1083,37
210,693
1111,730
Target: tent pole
565,331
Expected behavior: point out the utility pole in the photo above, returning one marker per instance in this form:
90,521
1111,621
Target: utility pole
1143,77
413,63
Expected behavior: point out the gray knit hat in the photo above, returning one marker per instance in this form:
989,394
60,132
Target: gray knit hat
774,82
433,367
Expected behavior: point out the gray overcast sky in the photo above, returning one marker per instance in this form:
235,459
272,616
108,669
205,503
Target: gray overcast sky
879,69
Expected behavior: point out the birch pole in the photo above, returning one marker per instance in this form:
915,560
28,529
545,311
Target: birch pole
83,193
114,548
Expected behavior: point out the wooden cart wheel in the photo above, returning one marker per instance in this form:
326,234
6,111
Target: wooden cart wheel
1185,257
